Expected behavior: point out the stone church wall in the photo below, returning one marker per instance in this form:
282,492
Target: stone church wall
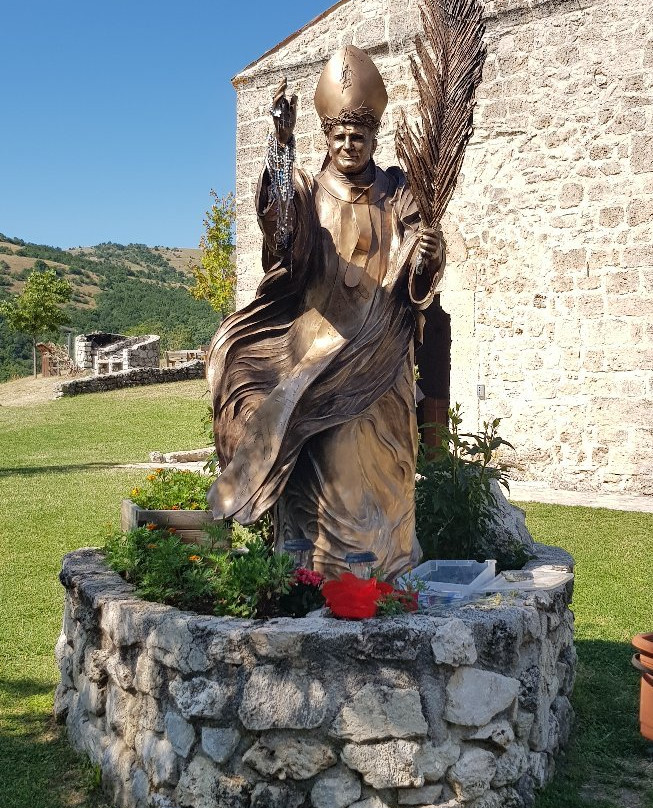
549,281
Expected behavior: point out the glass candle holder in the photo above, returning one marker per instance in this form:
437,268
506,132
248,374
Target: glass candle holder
300,550
361,564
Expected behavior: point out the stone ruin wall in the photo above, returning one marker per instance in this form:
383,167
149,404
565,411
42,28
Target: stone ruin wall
134,377
549,281
111,353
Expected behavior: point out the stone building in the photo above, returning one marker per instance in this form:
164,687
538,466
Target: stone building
545,312
113,353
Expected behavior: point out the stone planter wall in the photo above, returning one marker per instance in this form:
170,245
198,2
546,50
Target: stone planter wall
184,710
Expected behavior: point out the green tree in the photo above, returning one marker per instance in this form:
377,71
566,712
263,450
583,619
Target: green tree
37,310
215,275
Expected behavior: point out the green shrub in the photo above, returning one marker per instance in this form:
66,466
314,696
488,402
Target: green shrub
454,502
251,584
262,530
162,568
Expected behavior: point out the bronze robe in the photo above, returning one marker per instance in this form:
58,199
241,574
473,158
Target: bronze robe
312,382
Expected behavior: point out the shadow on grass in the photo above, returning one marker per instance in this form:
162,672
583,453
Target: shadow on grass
607,764
30,470
38,768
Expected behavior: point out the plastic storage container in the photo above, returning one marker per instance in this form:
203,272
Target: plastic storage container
452,582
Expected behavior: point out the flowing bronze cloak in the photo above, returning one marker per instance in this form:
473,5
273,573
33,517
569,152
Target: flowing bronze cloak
312,384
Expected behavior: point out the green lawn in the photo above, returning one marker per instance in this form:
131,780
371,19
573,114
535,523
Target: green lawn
59,491
609,764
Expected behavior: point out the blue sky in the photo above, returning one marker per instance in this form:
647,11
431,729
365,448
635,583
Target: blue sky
117,117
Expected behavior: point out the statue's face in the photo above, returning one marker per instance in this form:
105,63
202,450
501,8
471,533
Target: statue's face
351,147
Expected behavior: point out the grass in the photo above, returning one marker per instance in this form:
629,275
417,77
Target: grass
60,490
102,429
608,764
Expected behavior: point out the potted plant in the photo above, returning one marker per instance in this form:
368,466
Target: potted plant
643,661
174,498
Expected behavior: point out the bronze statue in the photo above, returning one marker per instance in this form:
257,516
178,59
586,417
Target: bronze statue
312,383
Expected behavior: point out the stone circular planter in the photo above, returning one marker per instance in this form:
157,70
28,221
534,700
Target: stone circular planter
182,710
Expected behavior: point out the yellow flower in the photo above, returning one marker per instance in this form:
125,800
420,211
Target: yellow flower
158,471
135,492
194,558
151,477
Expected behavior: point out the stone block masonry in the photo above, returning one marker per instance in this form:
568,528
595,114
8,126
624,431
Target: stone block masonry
131,378
190,711
549,280
111,353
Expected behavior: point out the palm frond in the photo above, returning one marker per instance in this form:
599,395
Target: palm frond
447,68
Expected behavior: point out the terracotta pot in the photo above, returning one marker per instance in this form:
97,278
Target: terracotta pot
190,525
643,661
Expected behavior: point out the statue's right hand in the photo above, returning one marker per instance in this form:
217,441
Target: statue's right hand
284,113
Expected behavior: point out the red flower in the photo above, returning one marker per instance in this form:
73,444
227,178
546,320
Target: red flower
350,596
308,577
408,600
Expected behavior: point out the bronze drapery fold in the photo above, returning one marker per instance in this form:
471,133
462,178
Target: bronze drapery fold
312,383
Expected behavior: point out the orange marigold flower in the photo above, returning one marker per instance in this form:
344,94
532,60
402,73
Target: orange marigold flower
175,508
172,530
151,526
135,492
151,477
151,546
158,471
194,558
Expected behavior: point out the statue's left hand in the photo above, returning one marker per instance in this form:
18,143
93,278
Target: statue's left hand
284,113
431,244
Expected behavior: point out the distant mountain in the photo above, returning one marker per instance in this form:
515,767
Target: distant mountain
118,288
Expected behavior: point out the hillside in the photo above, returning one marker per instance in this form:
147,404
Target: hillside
119,288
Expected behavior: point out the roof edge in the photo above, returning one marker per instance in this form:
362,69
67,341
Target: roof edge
236,79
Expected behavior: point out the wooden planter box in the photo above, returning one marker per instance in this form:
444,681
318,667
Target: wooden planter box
190,525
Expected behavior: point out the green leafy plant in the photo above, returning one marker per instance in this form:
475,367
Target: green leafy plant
212,465
173,489
251,584
396,603
454,502
162,567
262,530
